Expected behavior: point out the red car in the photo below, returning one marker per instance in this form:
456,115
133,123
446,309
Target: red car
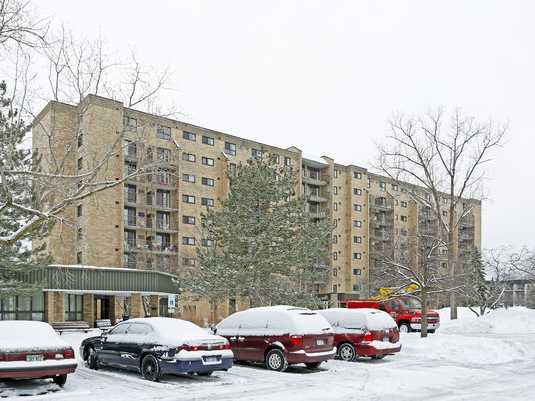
406,311
279,336
363,332
33,350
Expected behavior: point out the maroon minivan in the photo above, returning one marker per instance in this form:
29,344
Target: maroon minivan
279,336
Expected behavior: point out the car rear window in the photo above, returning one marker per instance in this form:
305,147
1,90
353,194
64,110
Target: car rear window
310,323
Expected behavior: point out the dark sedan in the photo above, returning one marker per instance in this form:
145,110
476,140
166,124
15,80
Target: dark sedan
158,346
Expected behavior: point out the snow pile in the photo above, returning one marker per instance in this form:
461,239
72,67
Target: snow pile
471,340
21,335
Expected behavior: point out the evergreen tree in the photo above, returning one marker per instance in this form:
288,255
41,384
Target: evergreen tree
15,257
266,247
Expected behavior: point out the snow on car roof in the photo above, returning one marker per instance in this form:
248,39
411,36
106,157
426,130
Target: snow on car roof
171,331
25,335
372,319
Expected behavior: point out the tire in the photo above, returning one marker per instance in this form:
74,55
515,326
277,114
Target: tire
92,361
346,352
313,365
378,356
205,373
404,328
60,380
275,360
432,331
150,368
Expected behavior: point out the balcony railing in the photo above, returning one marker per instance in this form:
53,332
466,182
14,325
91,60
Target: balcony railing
314,180
316,198
150,247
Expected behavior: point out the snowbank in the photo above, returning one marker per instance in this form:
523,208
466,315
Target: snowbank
471,340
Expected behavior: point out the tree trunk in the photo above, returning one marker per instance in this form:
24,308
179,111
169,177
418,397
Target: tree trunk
425,309
452,259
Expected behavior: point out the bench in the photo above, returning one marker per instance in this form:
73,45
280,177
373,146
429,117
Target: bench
61,327
103,324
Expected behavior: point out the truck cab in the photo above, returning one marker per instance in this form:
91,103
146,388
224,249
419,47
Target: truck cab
406,311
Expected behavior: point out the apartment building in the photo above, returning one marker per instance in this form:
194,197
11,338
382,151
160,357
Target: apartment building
151,222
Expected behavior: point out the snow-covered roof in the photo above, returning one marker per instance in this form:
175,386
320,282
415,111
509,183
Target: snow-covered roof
23,335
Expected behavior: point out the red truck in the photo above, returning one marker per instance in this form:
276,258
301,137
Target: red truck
406,311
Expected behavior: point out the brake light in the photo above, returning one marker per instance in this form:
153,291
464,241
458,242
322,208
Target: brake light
68,353
296,341
224,346
368,337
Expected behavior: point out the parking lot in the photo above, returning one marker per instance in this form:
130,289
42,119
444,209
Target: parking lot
492,357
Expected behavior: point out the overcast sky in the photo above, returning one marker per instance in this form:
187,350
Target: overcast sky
325,76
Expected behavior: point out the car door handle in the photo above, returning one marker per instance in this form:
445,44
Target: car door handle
241,338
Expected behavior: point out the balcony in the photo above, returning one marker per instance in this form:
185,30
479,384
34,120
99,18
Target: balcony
316,198
317,215
314,180
164,249
381,206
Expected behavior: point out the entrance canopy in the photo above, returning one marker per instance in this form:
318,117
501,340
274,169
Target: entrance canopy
103,280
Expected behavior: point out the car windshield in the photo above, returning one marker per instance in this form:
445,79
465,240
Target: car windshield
410,303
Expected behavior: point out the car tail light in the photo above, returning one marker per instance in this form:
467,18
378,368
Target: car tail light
68,353
368,337
224,346
296,341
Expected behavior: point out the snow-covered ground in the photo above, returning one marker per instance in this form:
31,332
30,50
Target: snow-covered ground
490,358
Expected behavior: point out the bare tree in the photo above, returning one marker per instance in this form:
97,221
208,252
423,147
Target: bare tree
522,262
446,158
18,26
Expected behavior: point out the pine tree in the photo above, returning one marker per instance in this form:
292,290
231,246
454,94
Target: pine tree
266,247
478,290
16,257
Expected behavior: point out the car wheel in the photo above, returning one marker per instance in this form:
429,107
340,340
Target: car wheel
92,361
404,328
205,373
313,365
275,360
431,331
346,352
150,368
60,380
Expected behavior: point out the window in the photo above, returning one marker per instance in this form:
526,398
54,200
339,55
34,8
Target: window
163,198
163,155
357,191
232,169
73,307
395,187
335,190
163,178
335,206
335,271
335,239
80,140
230,148
287,161
163,132
403,203
188,241
22,307
130,149
188,219
130,123
207,140
335,255
208,202
163,220
130,192
208,181
335,288
130,167
129,214
335,223
357,272
188,178
207,242
356,287
335,173
275,158
190,262
207,161
357,239
357,255
79,211
256,154
188,198
444,213
357,175
357,223
80,163
403,218
382,186
130,238
190,136
79,233
357,207
189,157
79,259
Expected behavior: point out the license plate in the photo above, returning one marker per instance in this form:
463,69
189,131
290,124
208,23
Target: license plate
320,342
211,359
34,358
